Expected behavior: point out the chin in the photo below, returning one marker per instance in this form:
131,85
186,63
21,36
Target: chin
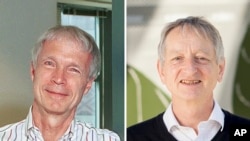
190,96
56,109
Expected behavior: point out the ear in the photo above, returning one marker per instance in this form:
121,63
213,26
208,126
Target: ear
88,86
160,70
221,69
32,71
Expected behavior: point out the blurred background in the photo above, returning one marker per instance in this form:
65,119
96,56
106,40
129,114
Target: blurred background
146,95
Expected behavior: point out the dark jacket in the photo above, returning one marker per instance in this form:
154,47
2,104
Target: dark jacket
155,130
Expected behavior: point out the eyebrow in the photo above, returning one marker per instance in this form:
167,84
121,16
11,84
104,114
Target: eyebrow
71,63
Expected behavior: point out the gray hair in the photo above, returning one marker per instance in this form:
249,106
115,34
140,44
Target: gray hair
72,33
200,26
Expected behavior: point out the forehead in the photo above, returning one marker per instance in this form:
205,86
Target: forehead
64,48
188,30
182,37
65,41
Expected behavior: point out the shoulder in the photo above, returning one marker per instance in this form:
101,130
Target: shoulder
100,134
233,122
106,134
235,119
8,129
147,125
153,129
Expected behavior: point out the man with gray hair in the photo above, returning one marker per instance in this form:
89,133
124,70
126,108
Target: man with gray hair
65,62
191,62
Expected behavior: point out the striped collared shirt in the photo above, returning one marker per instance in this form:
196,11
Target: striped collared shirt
206,129
78,131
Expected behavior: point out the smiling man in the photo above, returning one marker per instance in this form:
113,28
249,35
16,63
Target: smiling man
191,62
65,62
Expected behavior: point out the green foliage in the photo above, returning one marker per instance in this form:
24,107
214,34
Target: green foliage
241,96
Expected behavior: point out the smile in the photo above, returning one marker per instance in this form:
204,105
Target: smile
190,82
56,92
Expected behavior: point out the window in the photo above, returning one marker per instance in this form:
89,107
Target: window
89,20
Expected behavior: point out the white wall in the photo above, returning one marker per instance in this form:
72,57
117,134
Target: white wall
21,23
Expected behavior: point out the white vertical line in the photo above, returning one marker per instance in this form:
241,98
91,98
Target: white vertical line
138,94
240,95
162,98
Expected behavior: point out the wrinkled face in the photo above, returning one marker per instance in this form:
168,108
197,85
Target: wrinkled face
60,77
190,70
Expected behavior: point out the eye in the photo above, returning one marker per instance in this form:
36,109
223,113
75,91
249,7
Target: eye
49,63
202,59
177,58
74,70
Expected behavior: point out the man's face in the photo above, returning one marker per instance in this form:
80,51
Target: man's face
60,77
190,70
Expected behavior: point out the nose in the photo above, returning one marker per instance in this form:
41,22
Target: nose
190,67
58,77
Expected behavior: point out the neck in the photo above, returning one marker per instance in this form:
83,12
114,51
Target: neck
191,113
52,126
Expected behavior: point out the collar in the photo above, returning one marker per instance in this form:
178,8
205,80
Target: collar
170,120
29,123
217,115
29,126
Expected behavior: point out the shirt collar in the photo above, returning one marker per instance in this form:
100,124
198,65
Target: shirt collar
170,120
29,122
70,131
29,125
217,115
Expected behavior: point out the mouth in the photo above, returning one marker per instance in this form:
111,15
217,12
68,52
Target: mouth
190,82
56,92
